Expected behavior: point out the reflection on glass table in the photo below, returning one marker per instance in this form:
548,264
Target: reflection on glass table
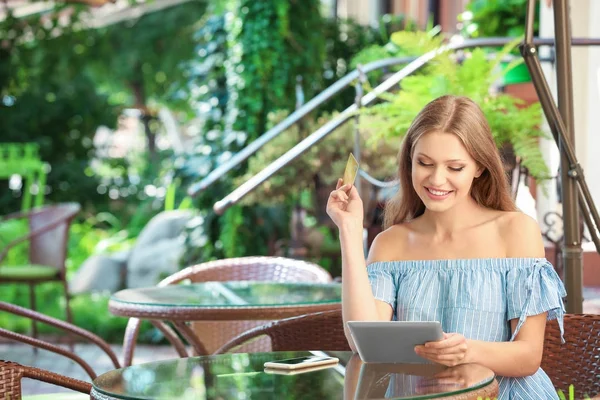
219,298
416,381
242,376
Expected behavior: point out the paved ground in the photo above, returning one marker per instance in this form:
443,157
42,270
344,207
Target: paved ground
101,363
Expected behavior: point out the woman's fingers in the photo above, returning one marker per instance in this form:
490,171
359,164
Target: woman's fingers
339,195
449,340
461,348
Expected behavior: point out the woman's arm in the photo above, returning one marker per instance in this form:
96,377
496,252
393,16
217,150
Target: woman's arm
522,357
358,304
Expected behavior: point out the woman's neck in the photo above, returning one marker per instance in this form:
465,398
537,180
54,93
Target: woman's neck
447,223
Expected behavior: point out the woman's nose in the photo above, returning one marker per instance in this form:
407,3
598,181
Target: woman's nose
437,177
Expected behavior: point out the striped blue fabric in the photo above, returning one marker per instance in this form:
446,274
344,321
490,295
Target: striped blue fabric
477,298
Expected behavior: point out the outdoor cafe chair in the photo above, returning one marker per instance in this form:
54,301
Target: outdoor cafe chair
214,334
318,331
48,243
577,361
11,372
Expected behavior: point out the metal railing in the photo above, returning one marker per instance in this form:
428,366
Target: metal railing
293,118
414,65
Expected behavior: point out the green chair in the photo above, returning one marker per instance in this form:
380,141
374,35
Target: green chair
23,159
48,240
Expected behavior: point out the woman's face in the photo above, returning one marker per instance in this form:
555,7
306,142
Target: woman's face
442,171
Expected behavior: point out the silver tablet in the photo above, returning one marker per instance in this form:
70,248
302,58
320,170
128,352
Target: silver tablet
393,341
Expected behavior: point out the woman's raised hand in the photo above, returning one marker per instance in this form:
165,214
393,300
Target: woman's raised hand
344,205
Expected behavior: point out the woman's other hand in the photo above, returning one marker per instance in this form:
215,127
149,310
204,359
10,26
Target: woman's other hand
344,205
452,350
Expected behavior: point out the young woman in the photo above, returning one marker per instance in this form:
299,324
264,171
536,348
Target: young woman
455,250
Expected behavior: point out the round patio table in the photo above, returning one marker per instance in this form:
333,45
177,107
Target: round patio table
224,301
242,376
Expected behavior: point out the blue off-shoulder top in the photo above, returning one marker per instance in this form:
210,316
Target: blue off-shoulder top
476,298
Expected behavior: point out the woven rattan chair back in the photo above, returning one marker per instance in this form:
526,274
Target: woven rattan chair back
213,334
318,331
577,361
277,269
50,247
12,373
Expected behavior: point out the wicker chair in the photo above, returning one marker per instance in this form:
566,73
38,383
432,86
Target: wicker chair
11,372
318,331
48,239
214,334
577,361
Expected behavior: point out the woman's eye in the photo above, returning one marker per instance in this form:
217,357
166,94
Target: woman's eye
424,164
456,169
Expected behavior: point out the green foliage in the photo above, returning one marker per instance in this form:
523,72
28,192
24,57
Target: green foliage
45,98
319,165
344,38
510,120
496,18
138,61
561,395
404,43
272,42
252,59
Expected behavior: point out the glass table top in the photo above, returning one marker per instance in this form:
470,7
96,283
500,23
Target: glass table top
230,294
242,376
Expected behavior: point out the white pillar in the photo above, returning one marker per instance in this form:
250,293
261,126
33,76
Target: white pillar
548,201
592,107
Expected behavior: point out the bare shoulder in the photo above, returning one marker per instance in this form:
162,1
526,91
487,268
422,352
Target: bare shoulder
388,244
521,235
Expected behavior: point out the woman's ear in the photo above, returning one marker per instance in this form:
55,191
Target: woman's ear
479,172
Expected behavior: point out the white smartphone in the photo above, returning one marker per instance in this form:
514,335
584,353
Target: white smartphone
306,370
301,362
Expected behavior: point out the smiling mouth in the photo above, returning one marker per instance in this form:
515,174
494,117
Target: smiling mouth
438,192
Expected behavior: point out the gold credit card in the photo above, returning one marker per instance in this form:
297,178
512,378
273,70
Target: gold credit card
351,170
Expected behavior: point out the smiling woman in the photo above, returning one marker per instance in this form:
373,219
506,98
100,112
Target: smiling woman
455,149
455,250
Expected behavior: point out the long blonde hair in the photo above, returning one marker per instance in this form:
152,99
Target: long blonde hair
463,118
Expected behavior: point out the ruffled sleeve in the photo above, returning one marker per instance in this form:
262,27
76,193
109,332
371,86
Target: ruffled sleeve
534,290
384,283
